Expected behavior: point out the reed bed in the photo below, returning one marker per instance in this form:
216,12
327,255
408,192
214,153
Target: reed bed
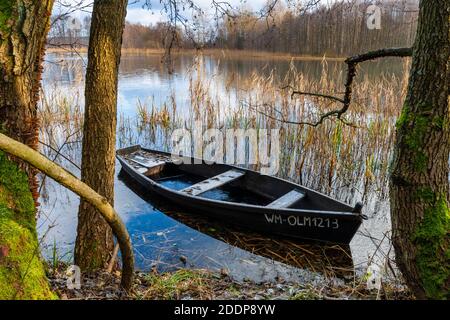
348,160
61,119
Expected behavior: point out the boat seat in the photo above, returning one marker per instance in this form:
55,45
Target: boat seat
145,162
288,199
213,182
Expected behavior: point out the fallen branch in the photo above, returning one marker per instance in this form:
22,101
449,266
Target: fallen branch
110,267
69,181
352,63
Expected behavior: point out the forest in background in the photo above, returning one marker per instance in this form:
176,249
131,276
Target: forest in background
339,29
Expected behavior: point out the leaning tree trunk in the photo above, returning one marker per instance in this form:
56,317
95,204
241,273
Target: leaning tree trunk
23,29
420,177
94,243
10,181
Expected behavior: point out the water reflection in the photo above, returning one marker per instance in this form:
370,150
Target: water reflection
143,77
329,260
163,237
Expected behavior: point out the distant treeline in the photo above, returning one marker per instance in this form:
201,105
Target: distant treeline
339,29
137,36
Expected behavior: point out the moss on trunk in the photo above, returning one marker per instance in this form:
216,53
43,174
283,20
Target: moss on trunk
419,188
433,250
22,274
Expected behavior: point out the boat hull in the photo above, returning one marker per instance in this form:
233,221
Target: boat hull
326,226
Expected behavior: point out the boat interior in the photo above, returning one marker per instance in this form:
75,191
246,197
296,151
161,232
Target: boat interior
228,183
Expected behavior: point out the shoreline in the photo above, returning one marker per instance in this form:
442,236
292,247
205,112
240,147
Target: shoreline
203,284
223,53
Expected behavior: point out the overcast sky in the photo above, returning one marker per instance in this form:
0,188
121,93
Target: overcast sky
137,14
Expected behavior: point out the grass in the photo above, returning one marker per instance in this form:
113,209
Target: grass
179,284
204,285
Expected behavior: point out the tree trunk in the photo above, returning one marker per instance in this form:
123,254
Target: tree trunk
23,29
9,190
420,177
94,243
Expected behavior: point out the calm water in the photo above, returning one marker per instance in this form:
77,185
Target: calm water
167,238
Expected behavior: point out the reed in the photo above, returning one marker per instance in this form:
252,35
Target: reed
61,120
348,161
335,158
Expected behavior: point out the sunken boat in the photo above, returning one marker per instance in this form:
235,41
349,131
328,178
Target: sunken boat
243,197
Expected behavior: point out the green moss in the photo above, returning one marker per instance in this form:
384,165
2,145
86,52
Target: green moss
306,295
403,118
6,11
22,274
425,194
432,238
438,122
16,193
415,126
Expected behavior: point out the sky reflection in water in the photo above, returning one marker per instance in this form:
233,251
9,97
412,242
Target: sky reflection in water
159,238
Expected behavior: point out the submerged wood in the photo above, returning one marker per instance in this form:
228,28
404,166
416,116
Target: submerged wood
68,180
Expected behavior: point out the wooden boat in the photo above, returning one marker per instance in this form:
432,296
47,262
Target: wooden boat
243,197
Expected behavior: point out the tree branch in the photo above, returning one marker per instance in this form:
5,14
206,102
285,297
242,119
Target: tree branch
66,179
352,63
313,94
371,55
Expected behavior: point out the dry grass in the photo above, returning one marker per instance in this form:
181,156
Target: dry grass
61,121
345,161
348,162
184,282
204,285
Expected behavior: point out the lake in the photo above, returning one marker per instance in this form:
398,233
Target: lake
167,238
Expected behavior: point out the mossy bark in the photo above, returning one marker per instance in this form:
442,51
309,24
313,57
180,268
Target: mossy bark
23,28
22,274
69,181
94,243
420,177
